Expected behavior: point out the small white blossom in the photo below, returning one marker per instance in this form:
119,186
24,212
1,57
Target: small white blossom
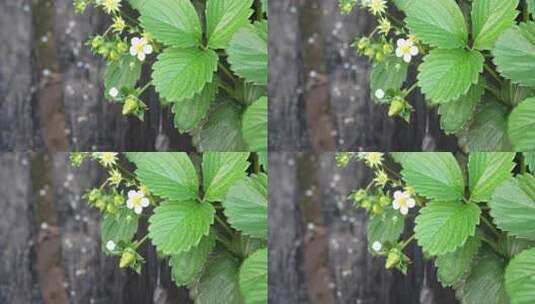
140,48
113,92
377,246
380,94
110,245
137,201
406,49
403,202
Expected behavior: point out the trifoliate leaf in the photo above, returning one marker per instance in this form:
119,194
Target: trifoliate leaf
454,266
485,284
520,278
219,282
434,175
187,266
248,53
255,124
122,73
246,205
190,112
514,54
488,129
172,22
454,115
513,206
224,18
253,278
389,74
177,227
121,226
446,75
442,227
439,23
385,227
222,131
486,171
181,73
170,175
220,171
522,126
490,19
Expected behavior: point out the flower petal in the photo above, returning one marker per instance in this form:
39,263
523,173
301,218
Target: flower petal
404,210
144,202
141,56
147,49
138,209
133,51
395,204
135,40
414,51
407,58
401,42
129,204
411,203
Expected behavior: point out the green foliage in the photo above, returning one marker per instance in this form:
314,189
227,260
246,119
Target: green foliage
490,18
255,122
214,234
522,126
482,239
204,51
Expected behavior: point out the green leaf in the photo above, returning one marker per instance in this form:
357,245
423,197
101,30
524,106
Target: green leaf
487,131
181,73
248,53
122,73
452,267
455,115
490,19
389,74
442,227
263,159
219,282
187,266
439,23
190,112
513,206
255,124
224,18
486,171
253,278
385,227
172,22
485,284
121,226
514,54
520,278
531,5
220,171
246,205
179,226
222,131
434,175
446,75
264,6
530,160
170,175
403,4
522,126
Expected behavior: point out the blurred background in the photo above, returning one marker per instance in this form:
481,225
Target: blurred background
51,91
318,252
319,87
50,240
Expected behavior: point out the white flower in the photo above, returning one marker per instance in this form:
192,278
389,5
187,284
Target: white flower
380,94
137,201
110,245
113,92
376,246
403,201
406,49
140,48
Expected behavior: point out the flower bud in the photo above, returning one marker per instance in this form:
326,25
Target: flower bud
387,48
379,56
363,43
131,105
128,258
396,107
393,258
113,55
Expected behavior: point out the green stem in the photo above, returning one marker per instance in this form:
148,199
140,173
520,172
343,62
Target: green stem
491,243
258,13
525,11
522,165
224,225
145,87
410,89
490,225
493,74
408,241
138,243
227,72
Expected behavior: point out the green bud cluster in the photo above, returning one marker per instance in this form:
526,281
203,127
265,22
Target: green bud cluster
343,158
105,202
346,6
372,203
108,49
375,51
77,158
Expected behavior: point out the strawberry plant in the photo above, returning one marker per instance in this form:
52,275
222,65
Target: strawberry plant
474,60
208,60
207,216
474,217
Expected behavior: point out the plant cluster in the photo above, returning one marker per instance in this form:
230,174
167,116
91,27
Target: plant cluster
208,60
474,59
474,219
207,216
